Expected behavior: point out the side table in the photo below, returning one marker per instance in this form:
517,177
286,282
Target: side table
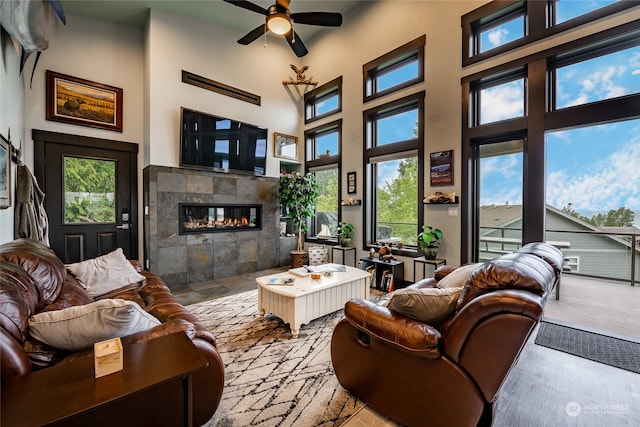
422,260
69,389
344,251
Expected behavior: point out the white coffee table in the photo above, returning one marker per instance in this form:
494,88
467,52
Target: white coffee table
308,299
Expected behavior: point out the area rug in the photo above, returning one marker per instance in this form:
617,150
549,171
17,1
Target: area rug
611,351
271,378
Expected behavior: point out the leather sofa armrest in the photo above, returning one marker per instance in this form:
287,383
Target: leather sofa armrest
405,334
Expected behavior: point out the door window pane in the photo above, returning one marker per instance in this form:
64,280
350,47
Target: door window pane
89,190
500,212
592,187
605,77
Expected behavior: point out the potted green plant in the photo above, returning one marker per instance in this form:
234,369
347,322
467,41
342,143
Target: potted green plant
297,194
429,241
344,233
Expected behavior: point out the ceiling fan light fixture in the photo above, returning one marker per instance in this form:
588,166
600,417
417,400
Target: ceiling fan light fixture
279,23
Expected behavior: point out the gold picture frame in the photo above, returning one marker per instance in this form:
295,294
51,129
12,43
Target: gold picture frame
83,102
285,146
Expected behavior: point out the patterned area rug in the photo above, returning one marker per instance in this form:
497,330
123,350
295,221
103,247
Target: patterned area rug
271,378
611,351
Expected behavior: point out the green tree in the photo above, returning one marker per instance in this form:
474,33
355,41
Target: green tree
397,201
622,217
89,186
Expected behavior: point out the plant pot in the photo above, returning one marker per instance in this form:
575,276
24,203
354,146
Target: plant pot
298,258
430,252
345,242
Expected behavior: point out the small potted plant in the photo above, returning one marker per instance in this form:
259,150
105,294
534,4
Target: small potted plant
429,241
297,194
344,233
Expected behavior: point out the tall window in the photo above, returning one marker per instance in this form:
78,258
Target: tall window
394,171
573,107
323,148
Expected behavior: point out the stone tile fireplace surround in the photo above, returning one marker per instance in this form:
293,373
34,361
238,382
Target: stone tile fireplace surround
181,259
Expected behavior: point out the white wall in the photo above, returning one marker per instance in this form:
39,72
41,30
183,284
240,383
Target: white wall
372,30
175,44
11,118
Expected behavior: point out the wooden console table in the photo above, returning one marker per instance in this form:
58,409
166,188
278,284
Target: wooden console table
58,393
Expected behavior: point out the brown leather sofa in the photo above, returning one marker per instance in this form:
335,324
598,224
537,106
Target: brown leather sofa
448,374
34,280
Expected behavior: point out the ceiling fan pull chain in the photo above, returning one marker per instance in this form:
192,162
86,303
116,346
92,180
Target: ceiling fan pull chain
293,33
265,36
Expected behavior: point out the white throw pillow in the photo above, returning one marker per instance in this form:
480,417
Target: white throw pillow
105,273
458,277
429,305
79,327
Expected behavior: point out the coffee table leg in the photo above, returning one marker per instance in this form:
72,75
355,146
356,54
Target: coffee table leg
261,311
294,332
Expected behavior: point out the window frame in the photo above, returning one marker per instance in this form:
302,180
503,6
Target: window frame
323,163
391,151
315,96
385,63
539,17
538,121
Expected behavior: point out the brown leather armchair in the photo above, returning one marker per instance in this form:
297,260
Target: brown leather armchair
448,374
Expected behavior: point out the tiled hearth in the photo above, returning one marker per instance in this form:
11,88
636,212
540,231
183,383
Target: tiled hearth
181,259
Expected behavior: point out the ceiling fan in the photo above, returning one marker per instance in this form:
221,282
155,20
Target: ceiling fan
279,20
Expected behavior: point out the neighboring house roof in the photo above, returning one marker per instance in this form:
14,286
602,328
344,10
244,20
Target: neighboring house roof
497,216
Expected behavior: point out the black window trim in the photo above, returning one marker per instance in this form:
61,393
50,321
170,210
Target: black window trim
372,152
312,97
537,24
389,60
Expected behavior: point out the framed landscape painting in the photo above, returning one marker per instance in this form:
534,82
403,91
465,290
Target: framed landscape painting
83,102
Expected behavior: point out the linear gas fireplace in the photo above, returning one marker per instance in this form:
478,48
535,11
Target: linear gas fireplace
215,218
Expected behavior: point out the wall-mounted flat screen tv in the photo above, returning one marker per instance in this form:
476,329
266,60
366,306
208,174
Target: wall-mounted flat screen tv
221,144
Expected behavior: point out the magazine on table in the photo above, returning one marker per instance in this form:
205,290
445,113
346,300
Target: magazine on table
281,281
336,268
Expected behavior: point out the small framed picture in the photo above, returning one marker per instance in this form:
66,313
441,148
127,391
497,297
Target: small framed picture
351,182
83,102
442,168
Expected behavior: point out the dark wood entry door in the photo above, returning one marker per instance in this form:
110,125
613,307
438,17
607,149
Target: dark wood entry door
90,187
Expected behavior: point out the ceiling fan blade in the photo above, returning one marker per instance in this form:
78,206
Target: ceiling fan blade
253,35
283,3
326,19
248,5
296,44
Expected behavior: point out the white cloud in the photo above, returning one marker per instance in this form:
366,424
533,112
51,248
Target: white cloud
498,36
502,102
610,183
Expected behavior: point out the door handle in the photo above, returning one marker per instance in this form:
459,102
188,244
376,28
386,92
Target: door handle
124,226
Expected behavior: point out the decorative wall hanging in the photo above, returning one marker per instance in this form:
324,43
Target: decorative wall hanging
441,168
351,182
221,88
83,102
285,146
300,78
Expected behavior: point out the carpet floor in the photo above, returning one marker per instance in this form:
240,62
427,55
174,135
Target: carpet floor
271,378
611,351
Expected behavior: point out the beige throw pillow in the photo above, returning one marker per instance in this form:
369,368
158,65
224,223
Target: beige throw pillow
458,277
105,273
429,305
79,327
